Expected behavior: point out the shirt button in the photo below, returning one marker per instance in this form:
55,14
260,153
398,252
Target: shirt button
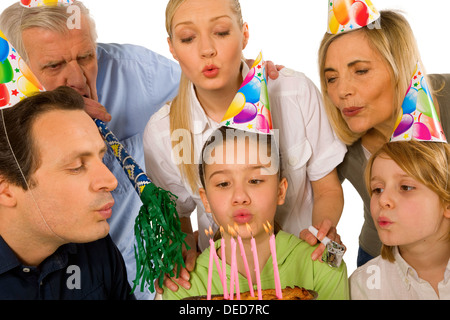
26,270
293,161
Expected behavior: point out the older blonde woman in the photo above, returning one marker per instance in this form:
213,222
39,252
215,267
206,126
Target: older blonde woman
365,74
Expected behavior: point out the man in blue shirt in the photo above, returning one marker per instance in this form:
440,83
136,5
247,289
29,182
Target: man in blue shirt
131,82
55,199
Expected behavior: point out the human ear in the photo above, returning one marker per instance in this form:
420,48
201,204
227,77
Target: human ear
7,197
246,35
282,189
447,210
204,198
172,51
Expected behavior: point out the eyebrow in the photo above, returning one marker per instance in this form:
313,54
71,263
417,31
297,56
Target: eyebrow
249,167
56,62
77,155
212,20
350,64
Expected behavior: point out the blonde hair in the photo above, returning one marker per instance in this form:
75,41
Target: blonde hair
396,43
426,162
15,19
180,111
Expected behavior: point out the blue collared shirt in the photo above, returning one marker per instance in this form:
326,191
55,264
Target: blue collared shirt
132,83
91,271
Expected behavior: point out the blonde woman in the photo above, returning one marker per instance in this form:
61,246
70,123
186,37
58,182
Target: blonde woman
207,39
364,77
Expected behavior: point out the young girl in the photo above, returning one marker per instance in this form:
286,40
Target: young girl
410,206
207,39
244,189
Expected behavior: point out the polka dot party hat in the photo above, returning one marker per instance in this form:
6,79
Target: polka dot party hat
16,79
250,108
418,120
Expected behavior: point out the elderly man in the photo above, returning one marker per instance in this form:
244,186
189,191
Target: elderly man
130,81
55,199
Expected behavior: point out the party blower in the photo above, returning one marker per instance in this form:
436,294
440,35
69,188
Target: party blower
157,226
333,253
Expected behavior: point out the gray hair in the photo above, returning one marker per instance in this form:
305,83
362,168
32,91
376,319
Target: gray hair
15,19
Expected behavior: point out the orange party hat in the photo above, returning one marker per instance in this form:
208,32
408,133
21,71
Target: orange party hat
39,3
348,15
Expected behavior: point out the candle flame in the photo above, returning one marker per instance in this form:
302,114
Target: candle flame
222,230
268,228
249,229
209,233
231,232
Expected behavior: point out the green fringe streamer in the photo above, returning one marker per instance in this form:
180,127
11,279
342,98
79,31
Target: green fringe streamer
159,239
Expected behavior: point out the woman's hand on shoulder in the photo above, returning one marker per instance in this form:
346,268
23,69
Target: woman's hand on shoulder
272,70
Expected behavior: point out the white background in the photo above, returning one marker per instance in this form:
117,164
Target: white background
289,33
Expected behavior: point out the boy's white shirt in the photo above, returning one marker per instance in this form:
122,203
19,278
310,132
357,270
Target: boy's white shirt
380,279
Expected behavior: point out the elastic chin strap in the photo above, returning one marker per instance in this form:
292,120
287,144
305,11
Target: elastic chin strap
25,180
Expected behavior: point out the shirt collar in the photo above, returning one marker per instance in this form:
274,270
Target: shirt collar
201,122
404,268
407,272
8,259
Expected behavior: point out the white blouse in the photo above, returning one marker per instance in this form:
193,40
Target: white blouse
380,279
309,149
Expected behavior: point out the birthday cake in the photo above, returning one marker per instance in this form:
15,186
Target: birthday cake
289,293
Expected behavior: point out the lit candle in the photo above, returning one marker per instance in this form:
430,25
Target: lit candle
224,265
273,251
256,263
234,278
210,268
244,258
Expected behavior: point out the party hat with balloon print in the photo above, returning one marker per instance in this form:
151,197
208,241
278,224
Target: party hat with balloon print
418,120
250,109
348,15
16,79
39,3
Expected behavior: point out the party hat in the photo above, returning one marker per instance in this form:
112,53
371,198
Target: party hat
419,120
348,15
39,3
250,108
16,79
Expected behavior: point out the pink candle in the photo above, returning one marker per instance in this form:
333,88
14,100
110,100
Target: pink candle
247,271
273,251
256,263
210,268
224,265
233,262
216,259
234,278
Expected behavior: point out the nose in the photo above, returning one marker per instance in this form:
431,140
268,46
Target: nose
386,201
207,48
103,179
345,88
75,77
241,196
